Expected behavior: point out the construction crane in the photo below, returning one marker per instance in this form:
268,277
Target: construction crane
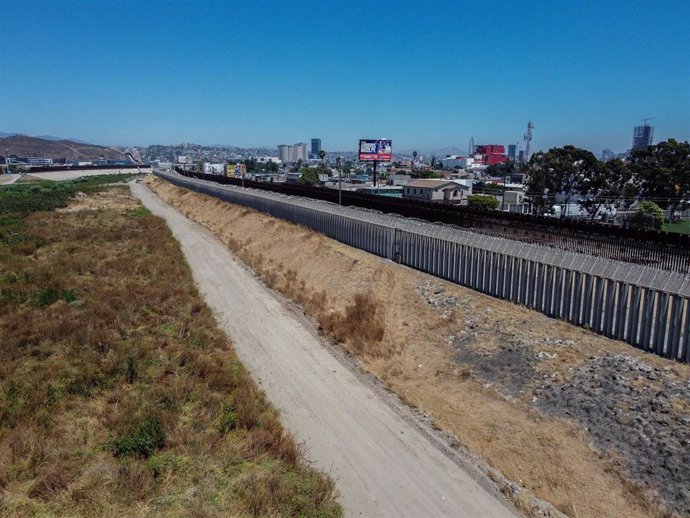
528,139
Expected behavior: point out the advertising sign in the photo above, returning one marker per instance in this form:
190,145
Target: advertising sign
379,150
236,170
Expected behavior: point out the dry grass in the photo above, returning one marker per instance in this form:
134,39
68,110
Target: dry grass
118,393
376,311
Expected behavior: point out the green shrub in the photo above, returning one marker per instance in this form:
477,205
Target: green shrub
45,297
648,216
131,371
141,441
228,420
482,202
50,295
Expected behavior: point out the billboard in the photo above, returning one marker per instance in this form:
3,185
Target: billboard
236,170
376,149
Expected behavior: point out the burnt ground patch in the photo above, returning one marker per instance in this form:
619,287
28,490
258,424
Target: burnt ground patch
510,365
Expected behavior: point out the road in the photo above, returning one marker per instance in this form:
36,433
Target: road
61,175
9,179
383,465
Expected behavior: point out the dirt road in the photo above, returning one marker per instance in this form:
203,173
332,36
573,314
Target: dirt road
382,464
59,176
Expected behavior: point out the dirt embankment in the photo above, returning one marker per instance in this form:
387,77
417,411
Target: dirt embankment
533,396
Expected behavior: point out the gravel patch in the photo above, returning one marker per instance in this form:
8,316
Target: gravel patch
636,410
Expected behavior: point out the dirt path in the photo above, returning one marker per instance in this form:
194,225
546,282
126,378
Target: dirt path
383,465
9,179
59,176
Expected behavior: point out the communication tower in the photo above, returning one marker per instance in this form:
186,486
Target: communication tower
528,139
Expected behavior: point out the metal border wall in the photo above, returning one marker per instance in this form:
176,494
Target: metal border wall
658,249
648,308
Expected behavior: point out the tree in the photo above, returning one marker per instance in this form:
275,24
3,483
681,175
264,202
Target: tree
482,202
560,170
250,164
605,183
309,176
648,216
662,172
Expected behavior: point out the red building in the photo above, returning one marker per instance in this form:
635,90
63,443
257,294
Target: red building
492,154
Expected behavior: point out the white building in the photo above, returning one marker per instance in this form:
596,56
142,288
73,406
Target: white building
214,168
447,191
39,161
457,161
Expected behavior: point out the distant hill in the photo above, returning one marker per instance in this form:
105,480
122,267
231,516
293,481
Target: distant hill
452,150
23,146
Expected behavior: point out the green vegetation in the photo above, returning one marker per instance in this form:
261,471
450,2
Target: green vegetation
681,227
143,441
24,198
660,172
482,202
648,216
119,396
310,176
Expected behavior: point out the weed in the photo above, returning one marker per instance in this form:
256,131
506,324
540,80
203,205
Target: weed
133,383
131,371
228,420
147,437
50,295
139,212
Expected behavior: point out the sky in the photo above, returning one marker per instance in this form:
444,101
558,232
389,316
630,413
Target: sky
428,75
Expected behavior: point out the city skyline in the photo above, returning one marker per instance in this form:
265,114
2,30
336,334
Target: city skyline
260,75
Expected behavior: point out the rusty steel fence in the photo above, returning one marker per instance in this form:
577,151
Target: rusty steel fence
666,250
646,307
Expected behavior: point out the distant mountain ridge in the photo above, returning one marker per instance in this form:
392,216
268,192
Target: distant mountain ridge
44,137
24,146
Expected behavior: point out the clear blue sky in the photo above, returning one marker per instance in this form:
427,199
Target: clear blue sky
426,74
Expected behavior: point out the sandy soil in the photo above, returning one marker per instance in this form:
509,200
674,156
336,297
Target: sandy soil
428,324
9,179
59,176
382,465
105,200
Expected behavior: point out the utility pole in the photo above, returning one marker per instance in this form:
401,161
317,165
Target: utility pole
338,162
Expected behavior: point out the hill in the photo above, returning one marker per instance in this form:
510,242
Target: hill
23,146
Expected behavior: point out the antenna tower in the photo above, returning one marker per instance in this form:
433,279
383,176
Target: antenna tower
528,139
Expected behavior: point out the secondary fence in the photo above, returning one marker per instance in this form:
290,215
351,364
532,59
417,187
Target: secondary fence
60,168
667,250
647,307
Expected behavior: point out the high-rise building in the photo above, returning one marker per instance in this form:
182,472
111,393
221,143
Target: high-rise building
292,154
315,147
512,148
642,136
284,154
300,151
607,155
